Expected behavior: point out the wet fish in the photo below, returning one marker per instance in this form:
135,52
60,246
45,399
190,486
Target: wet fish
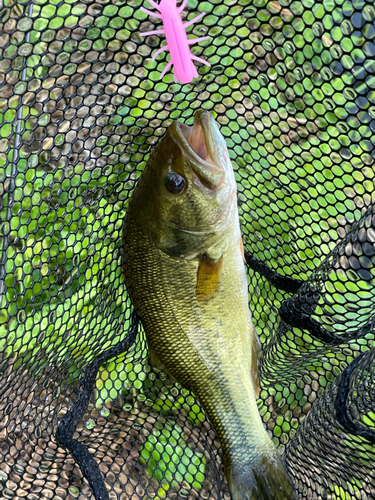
185,274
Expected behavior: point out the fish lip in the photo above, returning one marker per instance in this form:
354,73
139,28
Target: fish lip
200,231
211,173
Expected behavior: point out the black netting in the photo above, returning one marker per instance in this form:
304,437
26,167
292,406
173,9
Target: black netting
292,86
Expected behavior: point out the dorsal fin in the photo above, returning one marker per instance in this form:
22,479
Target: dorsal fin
208,278
242,249
256,352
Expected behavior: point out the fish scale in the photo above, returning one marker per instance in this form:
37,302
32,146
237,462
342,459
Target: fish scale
187,281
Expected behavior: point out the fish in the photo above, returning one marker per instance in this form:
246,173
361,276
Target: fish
183,263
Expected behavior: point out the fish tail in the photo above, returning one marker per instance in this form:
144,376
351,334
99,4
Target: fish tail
265,479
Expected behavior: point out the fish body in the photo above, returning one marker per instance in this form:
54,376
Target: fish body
185,274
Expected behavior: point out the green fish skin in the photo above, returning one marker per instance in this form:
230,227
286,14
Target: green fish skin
185,274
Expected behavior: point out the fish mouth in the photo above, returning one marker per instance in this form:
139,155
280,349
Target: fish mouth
205,147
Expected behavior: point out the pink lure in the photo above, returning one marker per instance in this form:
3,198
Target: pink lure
177,40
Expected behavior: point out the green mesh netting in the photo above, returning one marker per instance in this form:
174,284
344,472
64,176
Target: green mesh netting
292,85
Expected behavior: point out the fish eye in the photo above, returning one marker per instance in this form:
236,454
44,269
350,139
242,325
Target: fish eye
175,183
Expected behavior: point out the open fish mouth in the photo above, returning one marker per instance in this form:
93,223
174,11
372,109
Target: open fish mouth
205,147
196,136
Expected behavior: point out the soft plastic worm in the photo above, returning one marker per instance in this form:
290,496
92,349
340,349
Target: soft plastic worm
177,40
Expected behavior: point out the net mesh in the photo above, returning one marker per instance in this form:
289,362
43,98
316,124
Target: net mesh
292,86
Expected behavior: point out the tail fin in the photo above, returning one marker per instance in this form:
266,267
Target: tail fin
266,479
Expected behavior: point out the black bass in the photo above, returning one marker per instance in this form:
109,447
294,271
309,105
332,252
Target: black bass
185,274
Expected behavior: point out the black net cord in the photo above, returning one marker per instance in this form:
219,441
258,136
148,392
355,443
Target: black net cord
290,285
297,311
341,401
331,454
67,427
292,313
13,173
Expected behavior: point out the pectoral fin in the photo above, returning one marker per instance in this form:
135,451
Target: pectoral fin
208,278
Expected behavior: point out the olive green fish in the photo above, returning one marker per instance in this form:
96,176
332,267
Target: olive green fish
185,274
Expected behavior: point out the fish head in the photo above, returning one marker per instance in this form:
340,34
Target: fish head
192,189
